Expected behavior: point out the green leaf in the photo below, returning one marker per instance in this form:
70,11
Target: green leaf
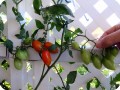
67,36
29,87
82,70
9,45
67,87
59,68
34,33
39,24
58,9
5,65
1,24
27,34
1,40
71,62
88,85
115,79
19,17
71,77
77,31
6,85
94,83
36,5
52,47
4,3
15,11
52,25
70,53
58,88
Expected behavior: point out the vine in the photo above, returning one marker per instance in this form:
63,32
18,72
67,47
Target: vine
55,17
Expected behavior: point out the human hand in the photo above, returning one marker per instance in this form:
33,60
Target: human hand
109,37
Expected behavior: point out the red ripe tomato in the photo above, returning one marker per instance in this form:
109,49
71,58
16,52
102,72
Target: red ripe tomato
51,47
47,44
37,45
46,57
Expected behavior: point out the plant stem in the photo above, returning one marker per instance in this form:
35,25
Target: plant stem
43,76
61,51
60,77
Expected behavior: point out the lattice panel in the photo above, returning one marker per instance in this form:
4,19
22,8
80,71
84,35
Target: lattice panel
95,16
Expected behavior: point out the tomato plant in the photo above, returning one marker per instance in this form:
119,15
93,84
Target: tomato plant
55,17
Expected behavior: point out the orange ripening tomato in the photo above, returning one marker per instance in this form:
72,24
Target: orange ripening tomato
46,57
51,47
37,45
47,44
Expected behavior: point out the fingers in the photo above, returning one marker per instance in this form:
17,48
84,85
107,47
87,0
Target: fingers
109,39
111,30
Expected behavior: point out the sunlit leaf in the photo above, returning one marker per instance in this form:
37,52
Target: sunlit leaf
6,85
82,70
29,87
5,65
59,68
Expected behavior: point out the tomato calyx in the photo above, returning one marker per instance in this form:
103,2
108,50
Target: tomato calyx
52,48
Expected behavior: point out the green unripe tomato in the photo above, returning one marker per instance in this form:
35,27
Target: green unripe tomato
109,56
114,51
27,41
75,45
18,63
96,61
85,56
22,54
109,64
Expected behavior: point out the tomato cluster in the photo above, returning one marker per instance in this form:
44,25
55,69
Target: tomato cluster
107,59
20,55
44,49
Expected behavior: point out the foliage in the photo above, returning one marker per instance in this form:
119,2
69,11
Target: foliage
55,17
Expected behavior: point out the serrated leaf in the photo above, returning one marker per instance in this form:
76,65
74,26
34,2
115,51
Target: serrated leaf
58,9
9,45
70,53
1,24
39,24
34,33
71,77
36,5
